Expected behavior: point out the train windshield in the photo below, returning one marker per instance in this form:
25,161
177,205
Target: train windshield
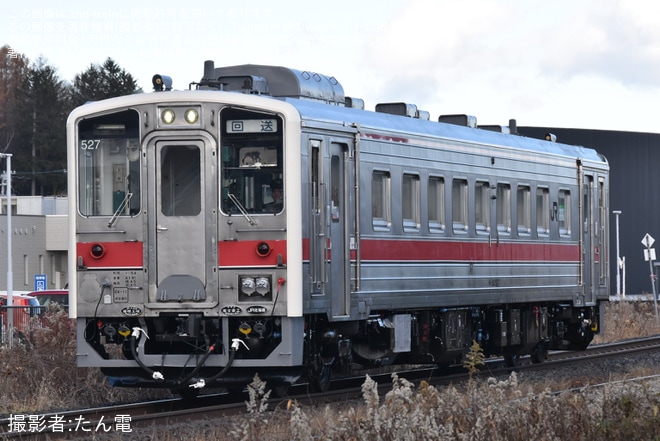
252,163
109,165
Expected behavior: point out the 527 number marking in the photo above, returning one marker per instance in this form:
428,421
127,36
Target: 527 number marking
90,144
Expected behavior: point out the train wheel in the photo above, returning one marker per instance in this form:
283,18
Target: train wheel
282,391
511,360
540,353
320,375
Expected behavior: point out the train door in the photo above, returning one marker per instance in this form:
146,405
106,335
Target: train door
593,224
330,228
182,221
339,255
317,226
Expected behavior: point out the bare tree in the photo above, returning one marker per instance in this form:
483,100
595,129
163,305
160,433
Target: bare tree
12,69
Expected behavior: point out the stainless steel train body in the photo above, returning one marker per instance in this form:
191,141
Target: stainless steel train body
398,238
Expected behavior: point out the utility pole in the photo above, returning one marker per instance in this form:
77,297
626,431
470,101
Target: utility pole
649,255
618,255
10,275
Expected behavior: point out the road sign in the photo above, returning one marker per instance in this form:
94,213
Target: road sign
40,282
648,241
649,254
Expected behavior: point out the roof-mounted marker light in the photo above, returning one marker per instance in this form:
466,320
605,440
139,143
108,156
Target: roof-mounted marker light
161,82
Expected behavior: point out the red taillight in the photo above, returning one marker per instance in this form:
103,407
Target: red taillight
263,249
97,251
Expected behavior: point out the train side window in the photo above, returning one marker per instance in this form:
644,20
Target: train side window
504,208
482,207
436,203
542,211
564,213
523,215
410,203
381,208
459,203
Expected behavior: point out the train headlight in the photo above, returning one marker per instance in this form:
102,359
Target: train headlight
167,116
262,285
191,116
248,286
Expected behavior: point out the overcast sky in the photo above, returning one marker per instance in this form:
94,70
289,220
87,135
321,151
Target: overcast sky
563,63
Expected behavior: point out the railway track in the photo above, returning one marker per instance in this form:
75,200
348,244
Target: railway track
134,417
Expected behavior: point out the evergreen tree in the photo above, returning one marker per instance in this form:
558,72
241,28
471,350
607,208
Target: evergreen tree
101,82
13,67
40,156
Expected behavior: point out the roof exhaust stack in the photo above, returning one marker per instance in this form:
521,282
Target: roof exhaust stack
209,70
513,127
209,80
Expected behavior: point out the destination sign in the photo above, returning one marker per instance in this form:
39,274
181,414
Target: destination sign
252,126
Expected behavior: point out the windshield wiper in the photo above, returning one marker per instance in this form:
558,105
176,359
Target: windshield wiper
242,209
120,208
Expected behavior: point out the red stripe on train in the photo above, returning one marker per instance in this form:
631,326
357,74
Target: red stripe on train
468,251
244,253
113,254
129,254
445,250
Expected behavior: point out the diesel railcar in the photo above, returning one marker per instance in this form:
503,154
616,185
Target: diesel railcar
263,222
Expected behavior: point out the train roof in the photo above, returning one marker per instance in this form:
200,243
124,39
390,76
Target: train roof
321,97
402,124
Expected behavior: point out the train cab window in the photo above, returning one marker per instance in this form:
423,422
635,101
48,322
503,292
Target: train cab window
381,209
564,213
482,207
108,164
410,203
252,156
181,183
542,211
503,207
523,213
459,204
436,204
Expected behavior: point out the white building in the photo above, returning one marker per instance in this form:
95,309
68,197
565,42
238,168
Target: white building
39,236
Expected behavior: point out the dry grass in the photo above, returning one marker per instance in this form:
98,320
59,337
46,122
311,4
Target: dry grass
487,410
627,320
40,373
33,378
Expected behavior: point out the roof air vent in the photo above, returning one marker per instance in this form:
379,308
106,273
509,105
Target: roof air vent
459,120
355,103
402,109
495,128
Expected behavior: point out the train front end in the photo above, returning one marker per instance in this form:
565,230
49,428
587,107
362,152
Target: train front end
185,253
